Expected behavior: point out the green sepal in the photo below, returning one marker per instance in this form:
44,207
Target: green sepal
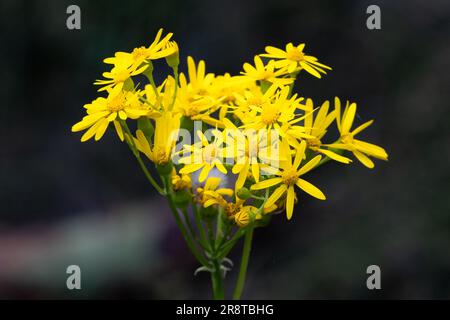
145,125
165,170
182,198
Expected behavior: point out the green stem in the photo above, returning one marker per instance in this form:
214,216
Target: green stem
187,238
175,73
226,247
198,221
188,222
152,82
217,281
136,153
291,86
244,264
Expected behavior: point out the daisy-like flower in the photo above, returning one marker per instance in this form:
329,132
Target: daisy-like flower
316,127
290,176
204,155
276,109
117,76
102,111
361,149
211,193
167,125
251,151
158,49
261,72
195,101
294,59
166,134
180,181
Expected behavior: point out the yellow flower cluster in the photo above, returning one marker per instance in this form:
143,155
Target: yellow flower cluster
263,136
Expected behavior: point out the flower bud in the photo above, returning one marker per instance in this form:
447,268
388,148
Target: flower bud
182,198
243,193
173,59
242,217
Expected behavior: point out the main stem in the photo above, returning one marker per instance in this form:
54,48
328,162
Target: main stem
217,281
244,264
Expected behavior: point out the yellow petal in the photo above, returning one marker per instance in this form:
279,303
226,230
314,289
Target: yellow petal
220,166
275,195
210,202
242,177
266,183
191,168
299,155
122,115
290,202
311,164
321,115
349,116
204,173
255,171
90,132
310,69
119,130
371,149
143,144
335,156
310,189
101,129
88,120
365,160
212,183
225,192
362,127
337,107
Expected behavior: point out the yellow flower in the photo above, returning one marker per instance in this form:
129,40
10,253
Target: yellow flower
102,111
166,134
173,56
278,108
195,100
261,72
244,216
250,150
211,194
294,59
205,156
138,56
180,181
117,77
359,148
288,176
316,127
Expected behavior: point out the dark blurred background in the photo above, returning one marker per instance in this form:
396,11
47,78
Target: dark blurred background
63,202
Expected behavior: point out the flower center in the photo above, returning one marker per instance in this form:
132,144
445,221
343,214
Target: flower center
210,153
295,55
117,103
270,115
313,143
290,177
266,74
347,138
139,54
161,156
